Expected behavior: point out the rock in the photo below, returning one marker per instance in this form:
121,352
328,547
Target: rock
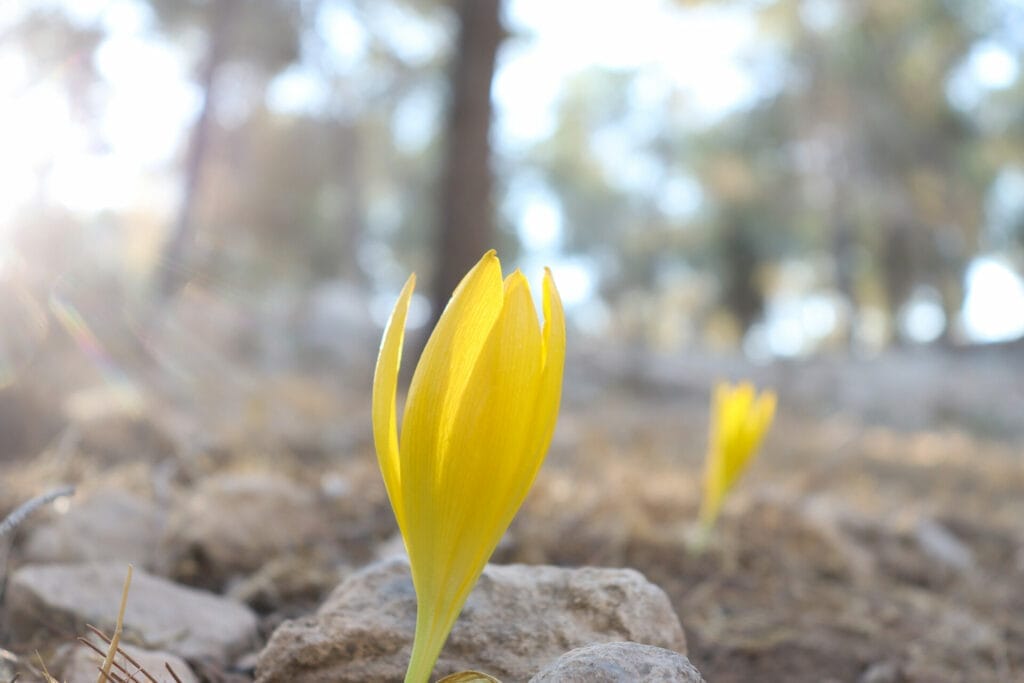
939,543
394,547
8,666
119,400
187,622
111,526
619,663
517,619
287,581
80,664
30,417
235,523
246,664
887,671
120,436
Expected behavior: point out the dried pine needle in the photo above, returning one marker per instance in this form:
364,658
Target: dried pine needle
112,651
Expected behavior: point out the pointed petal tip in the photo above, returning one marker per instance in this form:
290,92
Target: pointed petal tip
516,279
549,284
549,278
383,399
407,289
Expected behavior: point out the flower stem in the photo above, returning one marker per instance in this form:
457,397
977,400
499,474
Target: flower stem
426,648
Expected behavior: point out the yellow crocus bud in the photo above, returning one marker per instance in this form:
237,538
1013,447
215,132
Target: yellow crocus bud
479,417
739,420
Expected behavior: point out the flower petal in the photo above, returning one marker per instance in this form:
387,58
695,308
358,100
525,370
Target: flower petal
744,434
439,383
740,418
494,446
486,467
385,385
550,393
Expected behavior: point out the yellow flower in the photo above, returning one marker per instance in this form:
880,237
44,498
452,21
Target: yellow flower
478,420
739,420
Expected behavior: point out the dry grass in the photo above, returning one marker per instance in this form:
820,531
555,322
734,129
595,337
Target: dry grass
115,664
128,670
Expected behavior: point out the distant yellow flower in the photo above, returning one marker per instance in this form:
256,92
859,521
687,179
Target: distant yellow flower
478,420
739,420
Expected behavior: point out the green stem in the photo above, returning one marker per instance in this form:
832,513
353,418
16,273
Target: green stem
426,648
699,537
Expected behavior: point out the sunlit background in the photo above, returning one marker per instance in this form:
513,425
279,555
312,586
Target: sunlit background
775,178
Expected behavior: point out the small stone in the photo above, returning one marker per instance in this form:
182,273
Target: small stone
111,526
83,664
190,623
517,619
8,666
939,543
246,664
233,523
122,435
619,663
287,581
391,548
887,671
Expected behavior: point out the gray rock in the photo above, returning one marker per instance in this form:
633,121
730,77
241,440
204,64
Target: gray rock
234,523
392,548
619,663
941,545
109,526
81,665
120,433
887,671
517,619
161,615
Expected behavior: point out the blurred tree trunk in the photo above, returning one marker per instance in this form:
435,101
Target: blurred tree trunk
353,217
899,269
951,259
844,256
333,252
951,291
172,264
741,291
465,225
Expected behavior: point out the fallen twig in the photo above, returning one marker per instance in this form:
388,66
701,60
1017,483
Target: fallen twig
20,513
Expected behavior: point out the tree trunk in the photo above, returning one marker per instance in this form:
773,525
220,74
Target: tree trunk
741,293
844,257
899,270
172,267
353,218
466,227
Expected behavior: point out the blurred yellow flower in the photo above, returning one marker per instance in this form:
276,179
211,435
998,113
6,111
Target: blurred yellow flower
739,420
478,420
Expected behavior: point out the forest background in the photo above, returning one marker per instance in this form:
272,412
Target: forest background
777,178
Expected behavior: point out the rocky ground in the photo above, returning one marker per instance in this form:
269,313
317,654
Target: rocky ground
875,540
